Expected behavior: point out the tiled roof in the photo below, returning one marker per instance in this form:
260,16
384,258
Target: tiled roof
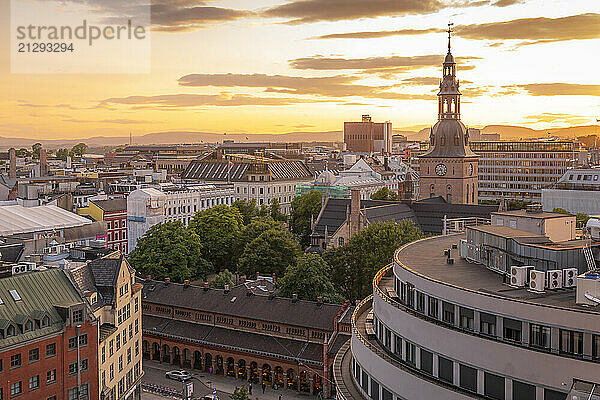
430,213
40,293
236,303
231,338
237,172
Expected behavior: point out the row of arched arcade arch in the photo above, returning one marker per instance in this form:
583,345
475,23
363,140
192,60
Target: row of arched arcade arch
241,366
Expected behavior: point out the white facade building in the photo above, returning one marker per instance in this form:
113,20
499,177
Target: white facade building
148,207
577,191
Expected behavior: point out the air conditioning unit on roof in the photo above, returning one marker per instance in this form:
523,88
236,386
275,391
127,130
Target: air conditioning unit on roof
537,281
554,278
519,275
570,277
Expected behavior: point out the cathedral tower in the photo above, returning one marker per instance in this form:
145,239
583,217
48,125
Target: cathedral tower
449,168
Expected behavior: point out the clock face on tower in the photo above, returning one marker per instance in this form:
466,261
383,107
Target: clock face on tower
441,169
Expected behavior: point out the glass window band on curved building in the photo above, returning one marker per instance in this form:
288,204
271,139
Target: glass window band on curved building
456,331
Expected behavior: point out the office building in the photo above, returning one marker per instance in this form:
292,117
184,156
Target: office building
368,136
519,170
576,192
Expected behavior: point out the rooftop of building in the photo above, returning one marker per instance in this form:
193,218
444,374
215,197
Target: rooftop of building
112,205
426,258
16,219
36,296
237,303
528,214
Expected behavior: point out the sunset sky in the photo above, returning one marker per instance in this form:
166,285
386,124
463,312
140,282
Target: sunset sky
277,66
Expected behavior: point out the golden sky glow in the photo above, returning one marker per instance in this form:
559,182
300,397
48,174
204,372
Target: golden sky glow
266,66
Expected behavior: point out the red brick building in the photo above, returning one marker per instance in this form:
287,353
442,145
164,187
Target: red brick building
263,339
114,212
48,339
368,136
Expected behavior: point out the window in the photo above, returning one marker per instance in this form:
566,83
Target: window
410,353
51,376
84,364
571,342
120,363
433,307
374,389
73,368
448,313
426,361
118,341
523,391
34,382
34,355
397,346
494,386
410,295
467,318
539,336
446,369
340,241
550,394
72,343
103,355
15,361
468,378
487,324
111,349
15,389
512,330
387,395
112,372
421,302
595,348
50,350
128,355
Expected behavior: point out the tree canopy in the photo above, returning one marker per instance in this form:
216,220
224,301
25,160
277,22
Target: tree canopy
218,228
270,253
221,279
385,194
170,250
309,278
254,229
304,209
354,264
247,209
79,149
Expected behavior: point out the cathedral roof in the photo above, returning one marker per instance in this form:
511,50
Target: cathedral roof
449,140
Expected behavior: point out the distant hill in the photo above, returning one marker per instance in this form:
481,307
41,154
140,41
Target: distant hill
507,132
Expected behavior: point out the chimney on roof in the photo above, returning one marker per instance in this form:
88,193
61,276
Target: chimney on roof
206,287
226,289
354,211
12,172
167,280
43,163
294,297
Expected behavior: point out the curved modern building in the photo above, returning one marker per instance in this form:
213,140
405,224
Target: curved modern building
434,330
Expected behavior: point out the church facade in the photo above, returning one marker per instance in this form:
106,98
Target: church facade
449,168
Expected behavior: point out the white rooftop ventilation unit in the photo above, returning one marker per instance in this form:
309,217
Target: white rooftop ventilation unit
519,275
554,278
570,277
588,289
537,281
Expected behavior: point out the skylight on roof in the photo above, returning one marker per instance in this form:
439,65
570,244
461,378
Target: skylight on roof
1,302
14,295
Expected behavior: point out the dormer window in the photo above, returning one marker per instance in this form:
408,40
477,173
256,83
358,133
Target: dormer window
11,331
28,327
45,321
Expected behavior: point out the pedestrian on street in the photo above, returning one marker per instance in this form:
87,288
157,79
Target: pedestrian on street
263,387
279,396
250,388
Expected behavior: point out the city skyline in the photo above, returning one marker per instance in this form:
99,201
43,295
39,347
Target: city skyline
276,67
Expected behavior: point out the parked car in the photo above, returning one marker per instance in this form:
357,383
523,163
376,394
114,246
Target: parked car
178,375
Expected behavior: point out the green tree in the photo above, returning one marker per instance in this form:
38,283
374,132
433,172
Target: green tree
560,211
35,150
304,209
309,278
218,228
62,154
270,253
170,250
79,149
23,152
241,393
247,209
581,219
275,211
254,229
221,279
354,265
385,194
